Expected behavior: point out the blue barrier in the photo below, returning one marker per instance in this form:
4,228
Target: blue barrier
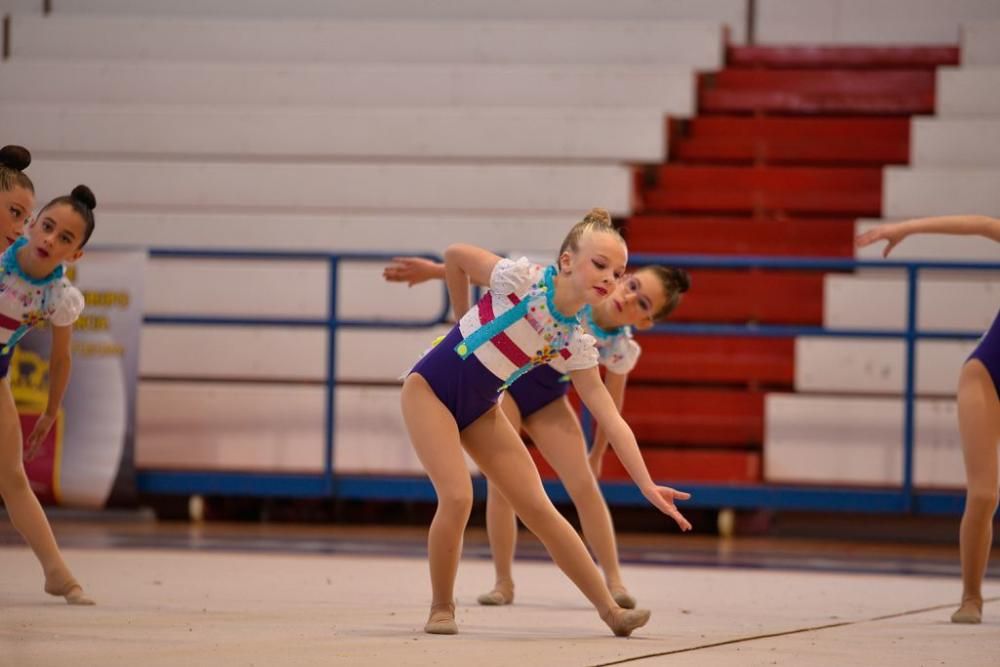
329,484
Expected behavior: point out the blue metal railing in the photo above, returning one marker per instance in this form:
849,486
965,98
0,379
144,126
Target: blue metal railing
331,484
277,484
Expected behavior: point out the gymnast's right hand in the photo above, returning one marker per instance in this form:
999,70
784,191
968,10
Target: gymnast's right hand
663,498
413,270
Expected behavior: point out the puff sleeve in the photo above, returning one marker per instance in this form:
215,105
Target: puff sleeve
67,305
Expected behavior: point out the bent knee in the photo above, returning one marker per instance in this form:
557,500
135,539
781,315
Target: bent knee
456,502
13,479
985,499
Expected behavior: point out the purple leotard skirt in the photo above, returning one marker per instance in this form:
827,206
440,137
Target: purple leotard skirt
536,389
988,351
5,363
466,387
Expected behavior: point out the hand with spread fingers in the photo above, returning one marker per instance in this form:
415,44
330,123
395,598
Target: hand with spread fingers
663,498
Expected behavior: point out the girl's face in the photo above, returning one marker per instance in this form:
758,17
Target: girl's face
54,237
596,266
15,211
638,297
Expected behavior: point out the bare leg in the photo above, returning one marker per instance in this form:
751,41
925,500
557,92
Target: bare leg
501,455
979,424
501,527
556,432
24,509
435,438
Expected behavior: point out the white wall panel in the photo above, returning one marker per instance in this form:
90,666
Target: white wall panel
198,426
858,441
233,352
669,88
950,142
967,91
868,22
876,366
286,187
731,12
981,43
879,302
567,133
913,192
335,232
60,37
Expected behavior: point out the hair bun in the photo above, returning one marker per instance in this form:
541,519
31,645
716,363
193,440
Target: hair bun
85,196
15,157
598,215
682,279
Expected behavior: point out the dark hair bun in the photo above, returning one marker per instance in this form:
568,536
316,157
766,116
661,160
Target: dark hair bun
681,278
85,196
15,157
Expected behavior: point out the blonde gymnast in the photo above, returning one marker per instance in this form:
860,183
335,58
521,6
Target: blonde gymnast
538,403
449,402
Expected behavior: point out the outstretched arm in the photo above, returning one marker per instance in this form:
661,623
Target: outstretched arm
413,270
895,232
464,264
588,385
615,384
60,364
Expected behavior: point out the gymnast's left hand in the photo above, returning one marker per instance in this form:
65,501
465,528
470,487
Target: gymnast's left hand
412,270
663,498
37,436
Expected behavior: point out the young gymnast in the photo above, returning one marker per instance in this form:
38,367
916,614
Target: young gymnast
540,406
978,415
17,193
32,291
449,400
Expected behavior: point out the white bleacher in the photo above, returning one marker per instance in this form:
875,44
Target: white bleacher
665,87
946,301
877,366
217,426
929,247
21,7
698,44
388,133
380,355
954,303
967,91
858,441
909,192
206,426
338,231
981,43
955,142
281,289
730,12
487,133
346,186
868,22
176,423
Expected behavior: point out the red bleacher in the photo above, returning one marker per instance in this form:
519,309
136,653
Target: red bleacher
786,151
826,57
817,91
790,190
715,359
676,466
742,235
765,140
